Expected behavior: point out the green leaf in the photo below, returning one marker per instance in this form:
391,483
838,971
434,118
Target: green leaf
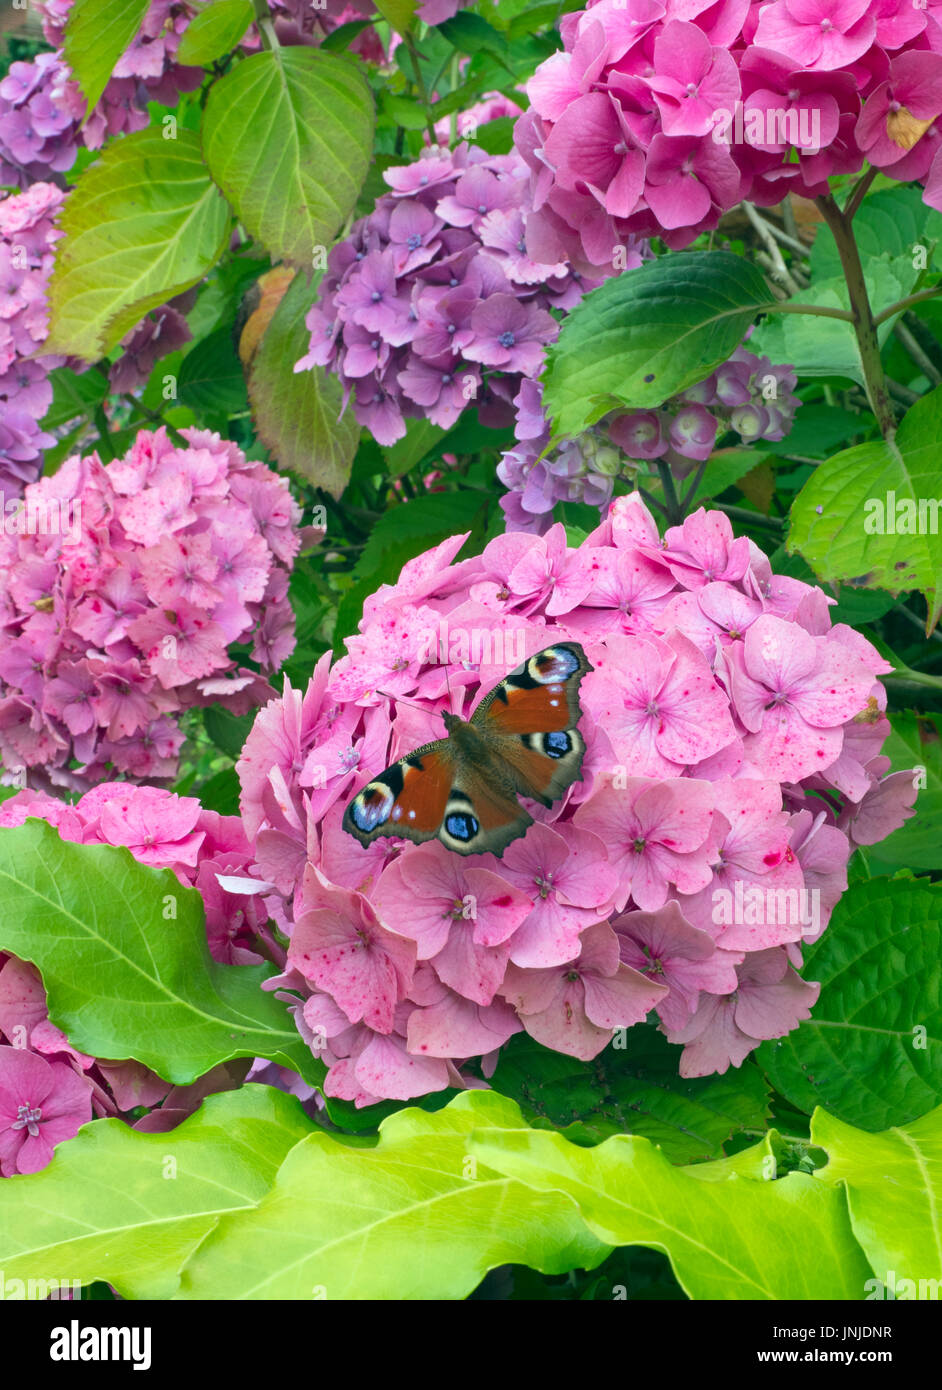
287,135
636,1090
863,1054
73,394
724,468
406,530
648,333
123,978
144,223
97,32
894,1193
420,438
470,33
817,430
915,741
820,346
297,413
211,376
227,730
841,519
214,32
221,792
727,1236
399,13
110,1206
890,222
402,111
410,1217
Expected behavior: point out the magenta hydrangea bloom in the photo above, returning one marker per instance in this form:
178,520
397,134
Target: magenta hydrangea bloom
121,588
41,1103
658,882
657,119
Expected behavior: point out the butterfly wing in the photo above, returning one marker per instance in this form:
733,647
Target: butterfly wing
434,792
530,721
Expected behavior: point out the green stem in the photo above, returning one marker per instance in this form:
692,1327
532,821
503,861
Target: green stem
864,326
101,425
744,514
265,26
902,304
788,306
420,84
859,193
675,513
692,489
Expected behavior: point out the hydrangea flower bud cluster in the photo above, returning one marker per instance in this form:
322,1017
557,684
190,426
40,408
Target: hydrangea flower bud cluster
48,1089
431,303
27,239
652,124
121,588
733,760
747,395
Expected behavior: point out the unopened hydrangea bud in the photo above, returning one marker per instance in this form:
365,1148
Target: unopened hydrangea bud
693,432
641,434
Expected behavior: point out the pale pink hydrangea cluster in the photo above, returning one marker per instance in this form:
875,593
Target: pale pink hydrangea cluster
48,1089
733,753
434,290
658,116
121,589
27,240
746,395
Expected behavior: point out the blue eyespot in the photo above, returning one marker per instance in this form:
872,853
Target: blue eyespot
556,665
555,745
372,807
461,826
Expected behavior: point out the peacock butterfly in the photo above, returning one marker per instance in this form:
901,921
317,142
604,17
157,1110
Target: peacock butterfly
521,740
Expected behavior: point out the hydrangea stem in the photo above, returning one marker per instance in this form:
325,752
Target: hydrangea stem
864,327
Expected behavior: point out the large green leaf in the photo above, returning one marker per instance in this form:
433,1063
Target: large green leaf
915,741
636,1090
144,223
871,1053
97,32
123,955
822,346
215,31
287,136
648,333
129,1208
727,1235
841,518
414,1216
894,1192
890,222
297,413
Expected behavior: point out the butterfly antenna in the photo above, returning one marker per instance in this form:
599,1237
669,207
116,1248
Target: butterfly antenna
401,700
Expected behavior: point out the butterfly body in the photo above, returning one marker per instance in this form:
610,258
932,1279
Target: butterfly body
521,740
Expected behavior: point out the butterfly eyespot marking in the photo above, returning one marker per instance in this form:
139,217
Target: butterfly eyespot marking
552,666
461,825
373,807
557,744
